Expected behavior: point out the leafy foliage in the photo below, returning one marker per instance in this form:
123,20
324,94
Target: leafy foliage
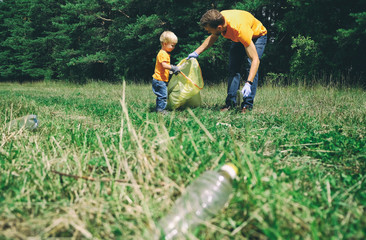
26,44
305,62
110,40
353,39
320,21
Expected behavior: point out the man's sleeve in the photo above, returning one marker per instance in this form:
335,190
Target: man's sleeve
245,36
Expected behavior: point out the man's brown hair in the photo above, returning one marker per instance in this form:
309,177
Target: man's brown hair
212,18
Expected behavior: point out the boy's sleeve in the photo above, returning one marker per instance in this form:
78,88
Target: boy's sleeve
163,57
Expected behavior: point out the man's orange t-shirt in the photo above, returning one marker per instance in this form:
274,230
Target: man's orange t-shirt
161,73
242,26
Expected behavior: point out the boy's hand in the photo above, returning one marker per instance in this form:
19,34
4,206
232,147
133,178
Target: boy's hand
192,55
246,90
175,70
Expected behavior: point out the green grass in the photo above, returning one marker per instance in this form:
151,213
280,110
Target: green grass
103,165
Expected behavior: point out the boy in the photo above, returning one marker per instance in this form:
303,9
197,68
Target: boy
249,38
168,41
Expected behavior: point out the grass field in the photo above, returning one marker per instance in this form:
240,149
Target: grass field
103,165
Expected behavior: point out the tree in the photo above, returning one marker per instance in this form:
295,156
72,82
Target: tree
111,40
319,21
352,42
26,46
135,32
80,40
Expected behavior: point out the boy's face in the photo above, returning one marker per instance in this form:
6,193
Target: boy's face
169,46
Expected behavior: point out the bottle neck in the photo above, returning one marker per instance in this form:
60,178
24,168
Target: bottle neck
226,175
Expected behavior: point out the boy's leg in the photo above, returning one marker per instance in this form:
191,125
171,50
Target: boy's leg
260,44
236,58
161,91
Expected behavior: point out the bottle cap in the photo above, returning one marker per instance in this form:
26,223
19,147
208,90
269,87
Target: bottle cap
231,169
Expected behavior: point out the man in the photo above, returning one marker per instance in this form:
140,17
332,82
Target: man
249,38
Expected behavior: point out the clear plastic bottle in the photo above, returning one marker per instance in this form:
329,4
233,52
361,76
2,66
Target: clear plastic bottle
203,199
29,122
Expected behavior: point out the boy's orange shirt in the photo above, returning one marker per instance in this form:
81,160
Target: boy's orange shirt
242,26
161,73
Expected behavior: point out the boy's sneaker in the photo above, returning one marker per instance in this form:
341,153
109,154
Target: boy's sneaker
163,112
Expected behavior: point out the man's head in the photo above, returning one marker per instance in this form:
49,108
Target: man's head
213,21
212,18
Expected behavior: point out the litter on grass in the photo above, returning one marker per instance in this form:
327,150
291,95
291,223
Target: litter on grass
29,122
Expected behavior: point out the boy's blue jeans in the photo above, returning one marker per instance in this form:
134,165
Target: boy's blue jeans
160,89
236,59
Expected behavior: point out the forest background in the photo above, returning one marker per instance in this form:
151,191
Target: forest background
110,40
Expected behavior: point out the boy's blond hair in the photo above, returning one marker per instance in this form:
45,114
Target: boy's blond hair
168,37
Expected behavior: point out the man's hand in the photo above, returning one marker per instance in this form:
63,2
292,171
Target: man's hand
246,89
175,70
192,55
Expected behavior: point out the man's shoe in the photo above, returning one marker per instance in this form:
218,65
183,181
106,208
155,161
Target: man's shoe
244,110
225,109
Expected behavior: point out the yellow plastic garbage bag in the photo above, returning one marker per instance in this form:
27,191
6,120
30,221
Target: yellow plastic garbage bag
184,88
